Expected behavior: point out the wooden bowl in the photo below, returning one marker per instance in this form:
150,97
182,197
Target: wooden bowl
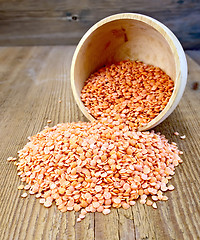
130,36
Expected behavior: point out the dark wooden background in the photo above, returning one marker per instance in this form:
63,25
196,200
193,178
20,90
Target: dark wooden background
63,22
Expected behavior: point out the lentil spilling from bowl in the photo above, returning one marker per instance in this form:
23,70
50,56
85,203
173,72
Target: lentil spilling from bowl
131,88
93,166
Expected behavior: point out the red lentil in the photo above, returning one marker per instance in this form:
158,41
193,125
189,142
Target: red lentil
154,205
130,89
176,133
171,187
11,159
183,137
58,165
20,187
24,195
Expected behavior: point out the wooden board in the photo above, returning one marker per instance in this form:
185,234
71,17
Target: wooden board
194,55
29,22
32,81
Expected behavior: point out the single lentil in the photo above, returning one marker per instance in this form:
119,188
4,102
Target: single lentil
154,205
176,133
171,187
183,137
24,195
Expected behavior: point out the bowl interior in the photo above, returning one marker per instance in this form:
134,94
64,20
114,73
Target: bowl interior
121,39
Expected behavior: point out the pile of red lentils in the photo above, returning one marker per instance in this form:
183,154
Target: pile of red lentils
132,88
93,166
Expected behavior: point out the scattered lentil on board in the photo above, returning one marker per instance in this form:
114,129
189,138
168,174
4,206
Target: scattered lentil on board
24,195
11,159
88,167
183,137
136,90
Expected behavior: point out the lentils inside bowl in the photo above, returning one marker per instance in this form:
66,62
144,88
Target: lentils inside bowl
127,89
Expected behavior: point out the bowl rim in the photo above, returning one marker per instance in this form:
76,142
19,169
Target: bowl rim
177,51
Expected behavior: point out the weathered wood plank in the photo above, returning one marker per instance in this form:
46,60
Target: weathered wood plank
51,22
194,55
32,81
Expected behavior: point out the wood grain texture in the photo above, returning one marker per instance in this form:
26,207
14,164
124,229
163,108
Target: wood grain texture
29,22
194,55
32,81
